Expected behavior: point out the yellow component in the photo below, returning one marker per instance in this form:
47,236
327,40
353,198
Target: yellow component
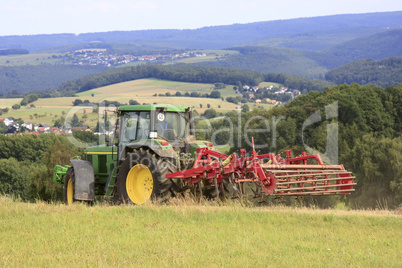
227,161
70,191
139,184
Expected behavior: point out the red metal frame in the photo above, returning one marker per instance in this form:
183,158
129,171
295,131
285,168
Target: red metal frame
278,177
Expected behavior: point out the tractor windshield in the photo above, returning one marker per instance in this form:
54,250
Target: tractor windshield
135,126
172,125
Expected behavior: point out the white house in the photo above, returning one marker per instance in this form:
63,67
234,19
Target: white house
8,121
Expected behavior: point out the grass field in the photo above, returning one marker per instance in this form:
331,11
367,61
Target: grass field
7,103
188,234
30,59
46,111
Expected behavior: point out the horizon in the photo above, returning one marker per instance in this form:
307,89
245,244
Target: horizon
77,34
23,17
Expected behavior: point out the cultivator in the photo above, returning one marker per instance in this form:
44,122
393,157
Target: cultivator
267,174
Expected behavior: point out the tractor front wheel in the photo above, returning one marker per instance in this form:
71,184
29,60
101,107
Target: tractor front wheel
142,176
69,187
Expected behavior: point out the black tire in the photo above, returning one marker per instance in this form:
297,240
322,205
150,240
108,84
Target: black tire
133,169
69,187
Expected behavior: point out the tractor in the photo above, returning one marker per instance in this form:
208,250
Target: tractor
157,156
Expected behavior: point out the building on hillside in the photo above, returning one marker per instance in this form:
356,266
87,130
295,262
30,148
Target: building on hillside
8,121
1,119
29,125
43,127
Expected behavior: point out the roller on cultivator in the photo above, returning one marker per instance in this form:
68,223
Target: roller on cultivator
266,174
157,156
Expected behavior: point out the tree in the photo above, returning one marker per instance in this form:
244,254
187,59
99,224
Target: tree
59,122
215,94
3,128
13,177
16,106
77,102
133,102
75,121
210,113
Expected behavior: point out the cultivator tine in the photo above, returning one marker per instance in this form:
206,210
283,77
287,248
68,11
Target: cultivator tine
200,189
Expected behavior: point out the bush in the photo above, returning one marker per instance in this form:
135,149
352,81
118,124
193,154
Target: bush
14,178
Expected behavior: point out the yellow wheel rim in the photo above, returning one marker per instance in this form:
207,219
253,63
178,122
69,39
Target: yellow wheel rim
70,191
139,184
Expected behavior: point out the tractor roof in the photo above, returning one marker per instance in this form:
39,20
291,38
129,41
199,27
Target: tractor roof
154,107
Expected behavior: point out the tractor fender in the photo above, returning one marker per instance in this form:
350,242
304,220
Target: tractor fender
84,187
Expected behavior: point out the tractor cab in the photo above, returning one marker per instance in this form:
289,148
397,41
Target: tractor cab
158,127
142,122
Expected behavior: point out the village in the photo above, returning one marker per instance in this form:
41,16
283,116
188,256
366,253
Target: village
14,126
270,94
102,58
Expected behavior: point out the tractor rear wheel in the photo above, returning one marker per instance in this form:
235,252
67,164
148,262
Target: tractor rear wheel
69,187
142,176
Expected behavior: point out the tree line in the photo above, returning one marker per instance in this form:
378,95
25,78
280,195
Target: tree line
13,51
183,73
369,121
27,162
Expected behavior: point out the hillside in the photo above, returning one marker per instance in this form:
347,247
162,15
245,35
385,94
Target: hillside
319,39
305,47
302,63
49,110
22,79
215,37
382,73
186,73
378,46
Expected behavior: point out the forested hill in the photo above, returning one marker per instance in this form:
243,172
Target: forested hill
184,73
24,79
377,46
382,73
215,37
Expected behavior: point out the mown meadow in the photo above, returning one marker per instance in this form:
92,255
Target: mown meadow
186,233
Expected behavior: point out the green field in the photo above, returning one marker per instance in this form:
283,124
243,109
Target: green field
211,55
29,59
46,111
188,234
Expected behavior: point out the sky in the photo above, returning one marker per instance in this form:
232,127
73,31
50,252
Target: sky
27,17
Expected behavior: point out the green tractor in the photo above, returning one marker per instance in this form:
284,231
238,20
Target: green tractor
153,140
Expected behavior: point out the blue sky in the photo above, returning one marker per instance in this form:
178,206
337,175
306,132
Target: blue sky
20,17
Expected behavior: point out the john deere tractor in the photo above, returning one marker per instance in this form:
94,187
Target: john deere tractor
157,155
153,140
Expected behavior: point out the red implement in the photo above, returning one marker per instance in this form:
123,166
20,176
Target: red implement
268,173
